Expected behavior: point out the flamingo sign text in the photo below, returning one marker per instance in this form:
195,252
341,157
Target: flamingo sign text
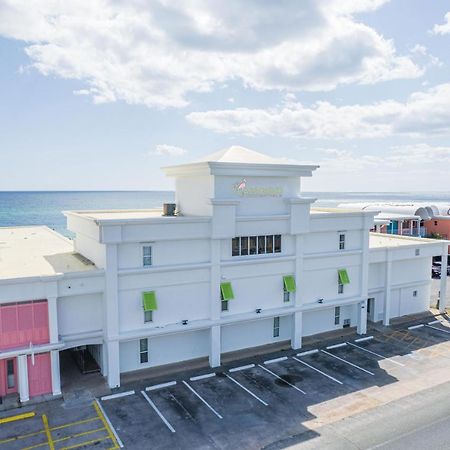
244,190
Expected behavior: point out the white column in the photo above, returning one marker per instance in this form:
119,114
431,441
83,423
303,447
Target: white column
400,227
361,327
56,378
214,349
111,317
53,319
297,330
387,288
411,227
22,369
443,283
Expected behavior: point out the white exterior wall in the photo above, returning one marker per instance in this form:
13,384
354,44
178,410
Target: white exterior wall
165,350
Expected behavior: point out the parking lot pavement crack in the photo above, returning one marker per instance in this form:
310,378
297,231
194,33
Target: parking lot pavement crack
182,407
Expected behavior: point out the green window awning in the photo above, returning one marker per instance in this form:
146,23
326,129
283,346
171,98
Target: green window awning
343,276
289,283
149,301
227,291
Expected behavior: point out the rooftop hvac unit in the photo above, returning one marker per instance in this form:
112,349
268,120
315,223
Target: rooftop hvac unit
169,209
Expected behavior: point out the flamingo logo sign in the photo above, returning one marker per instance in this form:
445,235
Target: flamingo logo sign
244,190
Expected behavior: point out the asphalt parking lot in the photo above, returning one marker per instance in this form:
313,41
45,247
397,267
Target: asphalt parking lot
251,404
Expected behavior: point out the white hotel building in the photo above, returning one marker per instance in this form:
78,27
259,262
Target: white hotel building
246,261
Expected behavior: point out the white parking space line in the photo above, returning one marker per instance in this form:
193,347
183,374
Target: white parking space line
119,441
270,361
434,321
160,386
308,352
170,427
282,379
438,329
349,363
414,327
367,338
202,399
317,370
202,377
236,369
376,354
343,344
118,395
247,390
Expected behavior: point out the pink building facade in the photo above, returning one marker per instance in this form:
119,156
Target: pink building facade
25,325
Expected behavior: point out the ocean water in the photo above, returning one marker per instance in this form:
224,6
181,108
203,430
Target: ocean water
45,208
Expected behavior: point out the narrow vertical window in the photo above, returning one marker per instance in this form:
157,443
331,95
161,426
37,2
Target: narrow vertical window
340,287
235,247
337,315
261,245
414,293
252,245
341,241
269,244
224,304
276,327
244,245
277,243
143,350
147,255
286,296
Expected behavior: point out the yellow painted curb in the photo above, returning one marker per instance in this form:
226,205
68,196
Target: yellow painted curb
18,417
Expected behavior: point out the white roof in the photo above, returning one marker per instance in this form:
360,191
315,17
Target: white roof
37,251
238,154
380,240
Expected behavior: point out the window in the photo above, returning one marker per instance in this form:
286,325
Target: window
414,293
224,305
143,350
340,287
147,255
347,323
435,223
235,246
288,287
341,241
276,327
252,245
261,245
286,296
417,251
256,245
148,316
343,279
226,294
337,315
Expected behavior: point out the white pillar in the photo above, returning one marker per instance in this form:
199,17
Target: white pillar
411,227
112,351
214,346
387,288
297,330
361,327
111,317
53,319
443,283
22,369
56,378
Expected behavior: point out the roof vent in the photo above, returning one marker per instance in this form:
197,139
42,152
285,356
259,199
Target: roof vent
169,209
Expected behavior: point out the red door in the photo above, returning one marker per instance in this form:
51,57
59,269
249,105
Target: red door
8,376
39,374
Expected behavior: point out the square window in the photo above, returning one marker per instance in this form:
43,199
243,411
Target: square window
148,316
252,243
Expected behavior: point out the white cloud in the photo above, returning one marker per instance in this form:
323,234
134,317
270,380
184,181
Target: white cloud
444,28
156,53
168,150
423,113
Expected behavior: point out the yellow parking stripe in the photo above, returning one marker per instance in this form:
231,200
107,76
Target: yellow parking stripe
78,422
35,446
23,436
47,432
18,417
86,443
79,434
108,428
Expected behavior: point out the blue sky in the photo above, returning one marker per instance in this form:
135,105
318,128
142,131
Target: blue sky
99,96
